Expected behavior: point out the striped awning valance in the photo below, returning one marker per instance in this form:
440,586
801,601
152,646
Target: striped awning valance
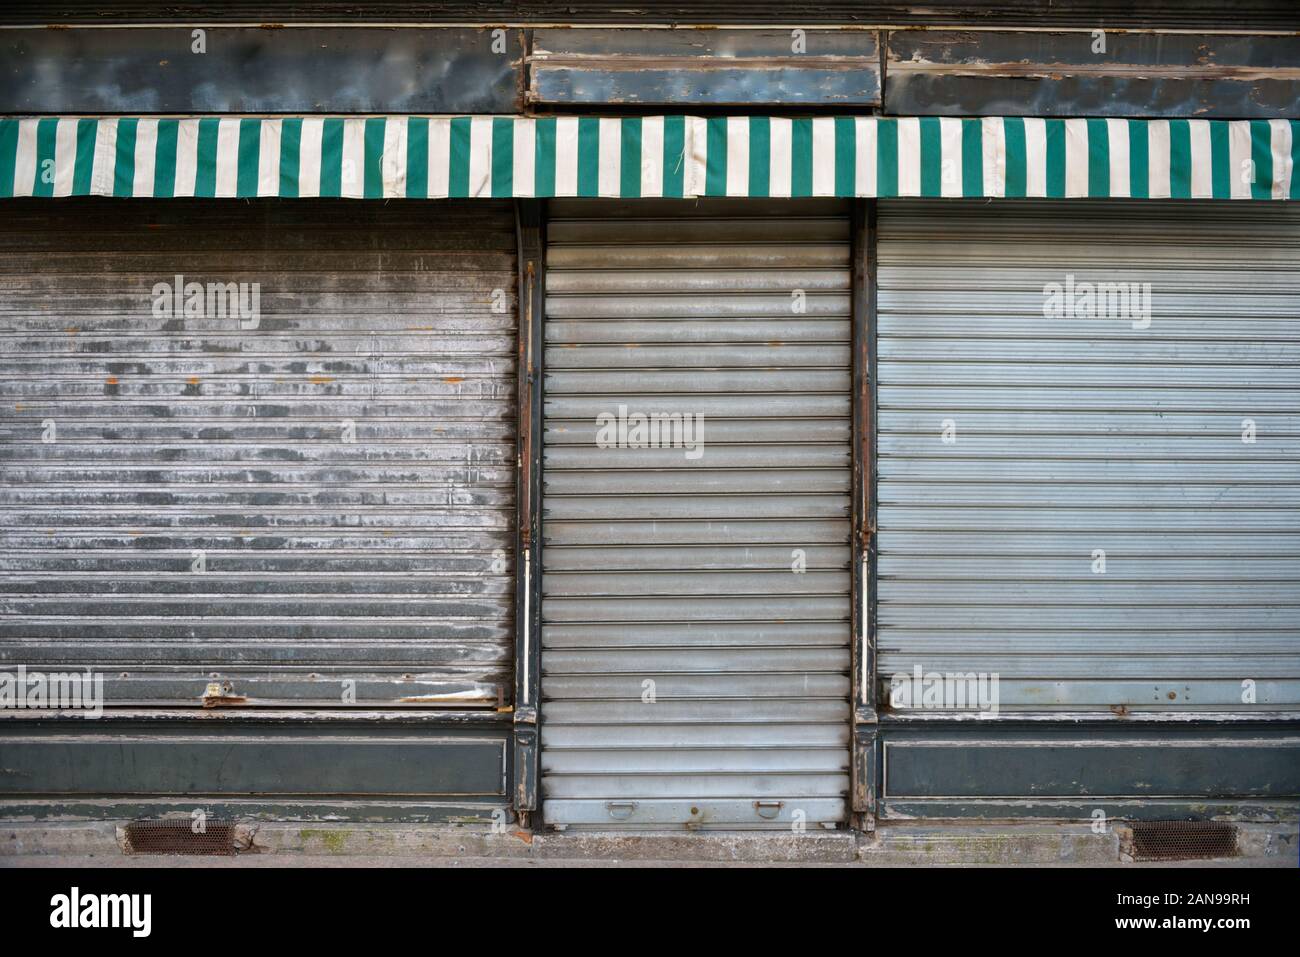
425,157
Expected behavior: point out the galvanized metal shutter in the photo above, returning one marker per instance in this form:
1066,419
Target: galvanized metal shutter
176,440
690,677
1081,436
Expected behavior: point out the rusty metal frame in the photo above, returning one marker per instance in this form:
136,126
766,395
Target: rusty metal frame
865,737
528,547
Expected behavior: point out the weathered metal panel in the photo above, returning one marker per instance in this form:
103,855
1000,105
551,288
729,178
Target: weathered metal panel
316,69
715,67
315,505
696,610
1112,519
1091,73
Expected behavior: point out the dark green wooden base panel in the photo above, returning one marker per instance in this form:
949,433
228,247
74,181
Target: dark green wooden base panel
1248,772
407,770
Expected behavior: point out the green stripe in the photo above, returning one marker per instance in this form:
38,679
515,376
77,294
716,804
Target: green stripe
1056,158
124,161
372,149
1220,161
8,156
1295,160
674,155
1261,155
715,156
801,157
503,157
46,145
83,171
1098,159
846,156
544,153
417,157
887,157
588,156
250,150
1180,159
629,166
1139,164
972,158
932,167
331,158
1013,131
164,159
205,172
760,156
290,156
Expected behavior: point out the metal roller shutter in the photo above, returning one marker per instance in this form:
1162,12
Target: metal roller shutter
690,677
1088,436
201,511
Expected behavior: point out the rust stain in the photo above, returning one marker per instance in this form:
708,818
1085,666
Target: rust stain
225,700
453,378
163,62
111,380
525,836
18,406
193,380
320,379
72,330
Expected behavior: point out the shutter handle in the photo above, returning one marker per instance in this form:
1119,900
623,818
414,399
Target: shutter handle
620,810
768,809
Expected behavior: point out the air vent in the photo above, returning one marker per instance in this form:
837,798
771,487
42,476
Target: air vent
217,838
1182,840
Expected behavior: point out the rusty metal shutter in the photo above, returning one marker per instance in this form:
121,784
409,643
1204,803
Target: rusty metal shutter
690,677
199,514
1084,434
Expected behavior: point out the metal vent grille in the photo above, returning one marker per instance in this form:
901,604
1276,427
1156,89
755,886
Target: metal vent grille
1183,840
178,837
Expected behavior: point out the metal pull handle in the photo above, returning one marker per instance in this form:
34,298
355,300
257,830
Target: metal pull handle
620,810
768,809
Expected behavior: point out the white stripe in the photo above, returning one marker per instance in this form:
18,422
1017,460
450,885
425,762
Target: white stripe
25,161
864,180
950,181
609,164
65,156
1280,141
566,156
439,156
695,181
1117,134
779,160
1076,158
1158,159
909,156
525,158
392,165
146,152
737,156
1202,178
101,173
652,156
309,147
268,158
1035,156
227,157
993,139
823,156
352,176
187,157
480,156
1241,166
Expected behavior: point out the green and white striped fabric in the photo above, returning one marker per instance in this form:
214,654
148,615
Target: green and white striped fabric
428,157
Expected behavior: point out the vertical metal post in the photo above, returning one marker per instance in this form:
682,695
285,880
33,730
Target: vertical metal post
865,723
528,566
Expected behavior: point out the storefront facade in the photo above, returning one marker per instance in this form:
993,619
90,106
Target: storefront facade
655,469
